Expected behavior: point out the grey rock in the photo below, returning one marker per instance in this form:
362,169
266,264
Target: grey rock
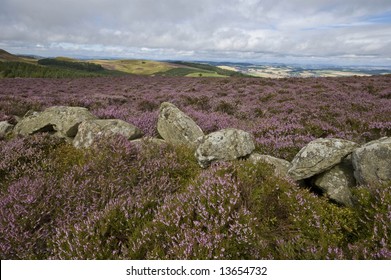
372,162
281,166
5,128
318,156
226,144
60,120
90,130
176,127
337,182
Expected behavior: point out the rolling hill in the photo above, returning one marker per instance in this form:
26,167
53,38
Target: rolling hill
6,56
18,66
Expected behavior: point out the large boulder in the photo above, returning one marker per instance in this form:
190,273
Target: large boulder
226,144
337,182
5,127
60,120
176,127
372,162
280,166
318,156
90,130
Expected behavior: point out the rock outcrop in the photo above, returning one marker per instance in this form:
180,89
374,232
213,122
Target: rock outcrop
281,166
60,120
335,166
337,182
372,162
90,130
5,128
318,156
176,127
226,144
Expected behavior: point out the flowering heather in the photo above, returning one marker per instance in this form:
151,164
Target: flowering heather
282,114
120,200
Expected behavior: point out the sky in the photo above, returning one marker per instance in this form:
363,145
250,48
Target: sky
344,32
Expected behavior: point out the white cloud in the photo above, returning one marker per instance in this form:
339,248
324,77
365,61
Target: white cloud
213,29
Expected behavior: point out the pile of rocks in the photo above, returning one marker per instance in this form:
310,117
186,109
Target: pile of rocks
335,166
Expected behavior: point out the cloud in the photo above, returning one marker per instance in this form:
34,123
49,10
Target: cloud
213,29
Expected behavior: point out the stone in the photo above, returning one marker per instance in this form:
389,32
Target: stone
176,127
226,144
318,156
90,130
372,162
5,128
337,182
62,121
281,166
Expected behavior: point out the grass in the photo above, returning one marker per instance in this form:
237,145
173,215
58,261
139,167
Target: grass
137,67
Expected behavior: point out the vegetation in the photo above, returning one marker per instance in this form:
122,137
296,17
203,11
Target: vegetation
137,67
58,202
211,68
50,68
118,200
83,66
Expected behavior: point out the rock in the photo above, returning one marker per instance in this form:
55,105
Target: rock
336,183
226,144
90,130
5,127
281,166
176,127
372,162
60,120
318,156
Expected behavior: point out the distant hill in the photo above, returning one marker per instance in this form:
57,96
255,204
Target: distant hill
166,68
12,66
6,56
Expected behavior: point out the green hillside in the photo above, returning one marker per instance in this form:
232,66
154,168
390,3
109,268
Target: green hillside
12,66
15,66
6,56
210,69
132,66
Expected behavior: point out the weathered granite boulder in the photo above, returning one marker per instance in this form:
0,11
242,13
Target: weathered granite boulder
176,127
372,162
281,166
5,127
226,144
336,183
318,156
90,130
60,120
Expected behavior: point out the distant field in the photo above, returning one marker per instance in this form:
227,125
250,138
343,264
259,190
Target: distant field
137,67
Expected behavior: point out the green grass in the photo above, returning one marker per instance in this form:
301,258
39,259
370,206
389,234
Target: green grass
137,67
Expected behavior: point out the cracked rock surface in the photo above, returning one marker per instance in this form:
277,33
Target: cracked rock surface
176,127
318,156
226,144
372,162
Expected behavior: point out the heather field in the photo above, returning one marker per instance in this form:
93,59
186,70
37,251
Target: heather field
117,200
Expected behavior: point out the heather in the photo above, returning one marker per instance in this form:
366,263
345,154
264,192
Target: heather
283,114
121,200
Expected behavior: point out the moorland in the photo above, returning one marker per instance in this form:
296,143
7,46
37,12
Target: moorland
115,200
